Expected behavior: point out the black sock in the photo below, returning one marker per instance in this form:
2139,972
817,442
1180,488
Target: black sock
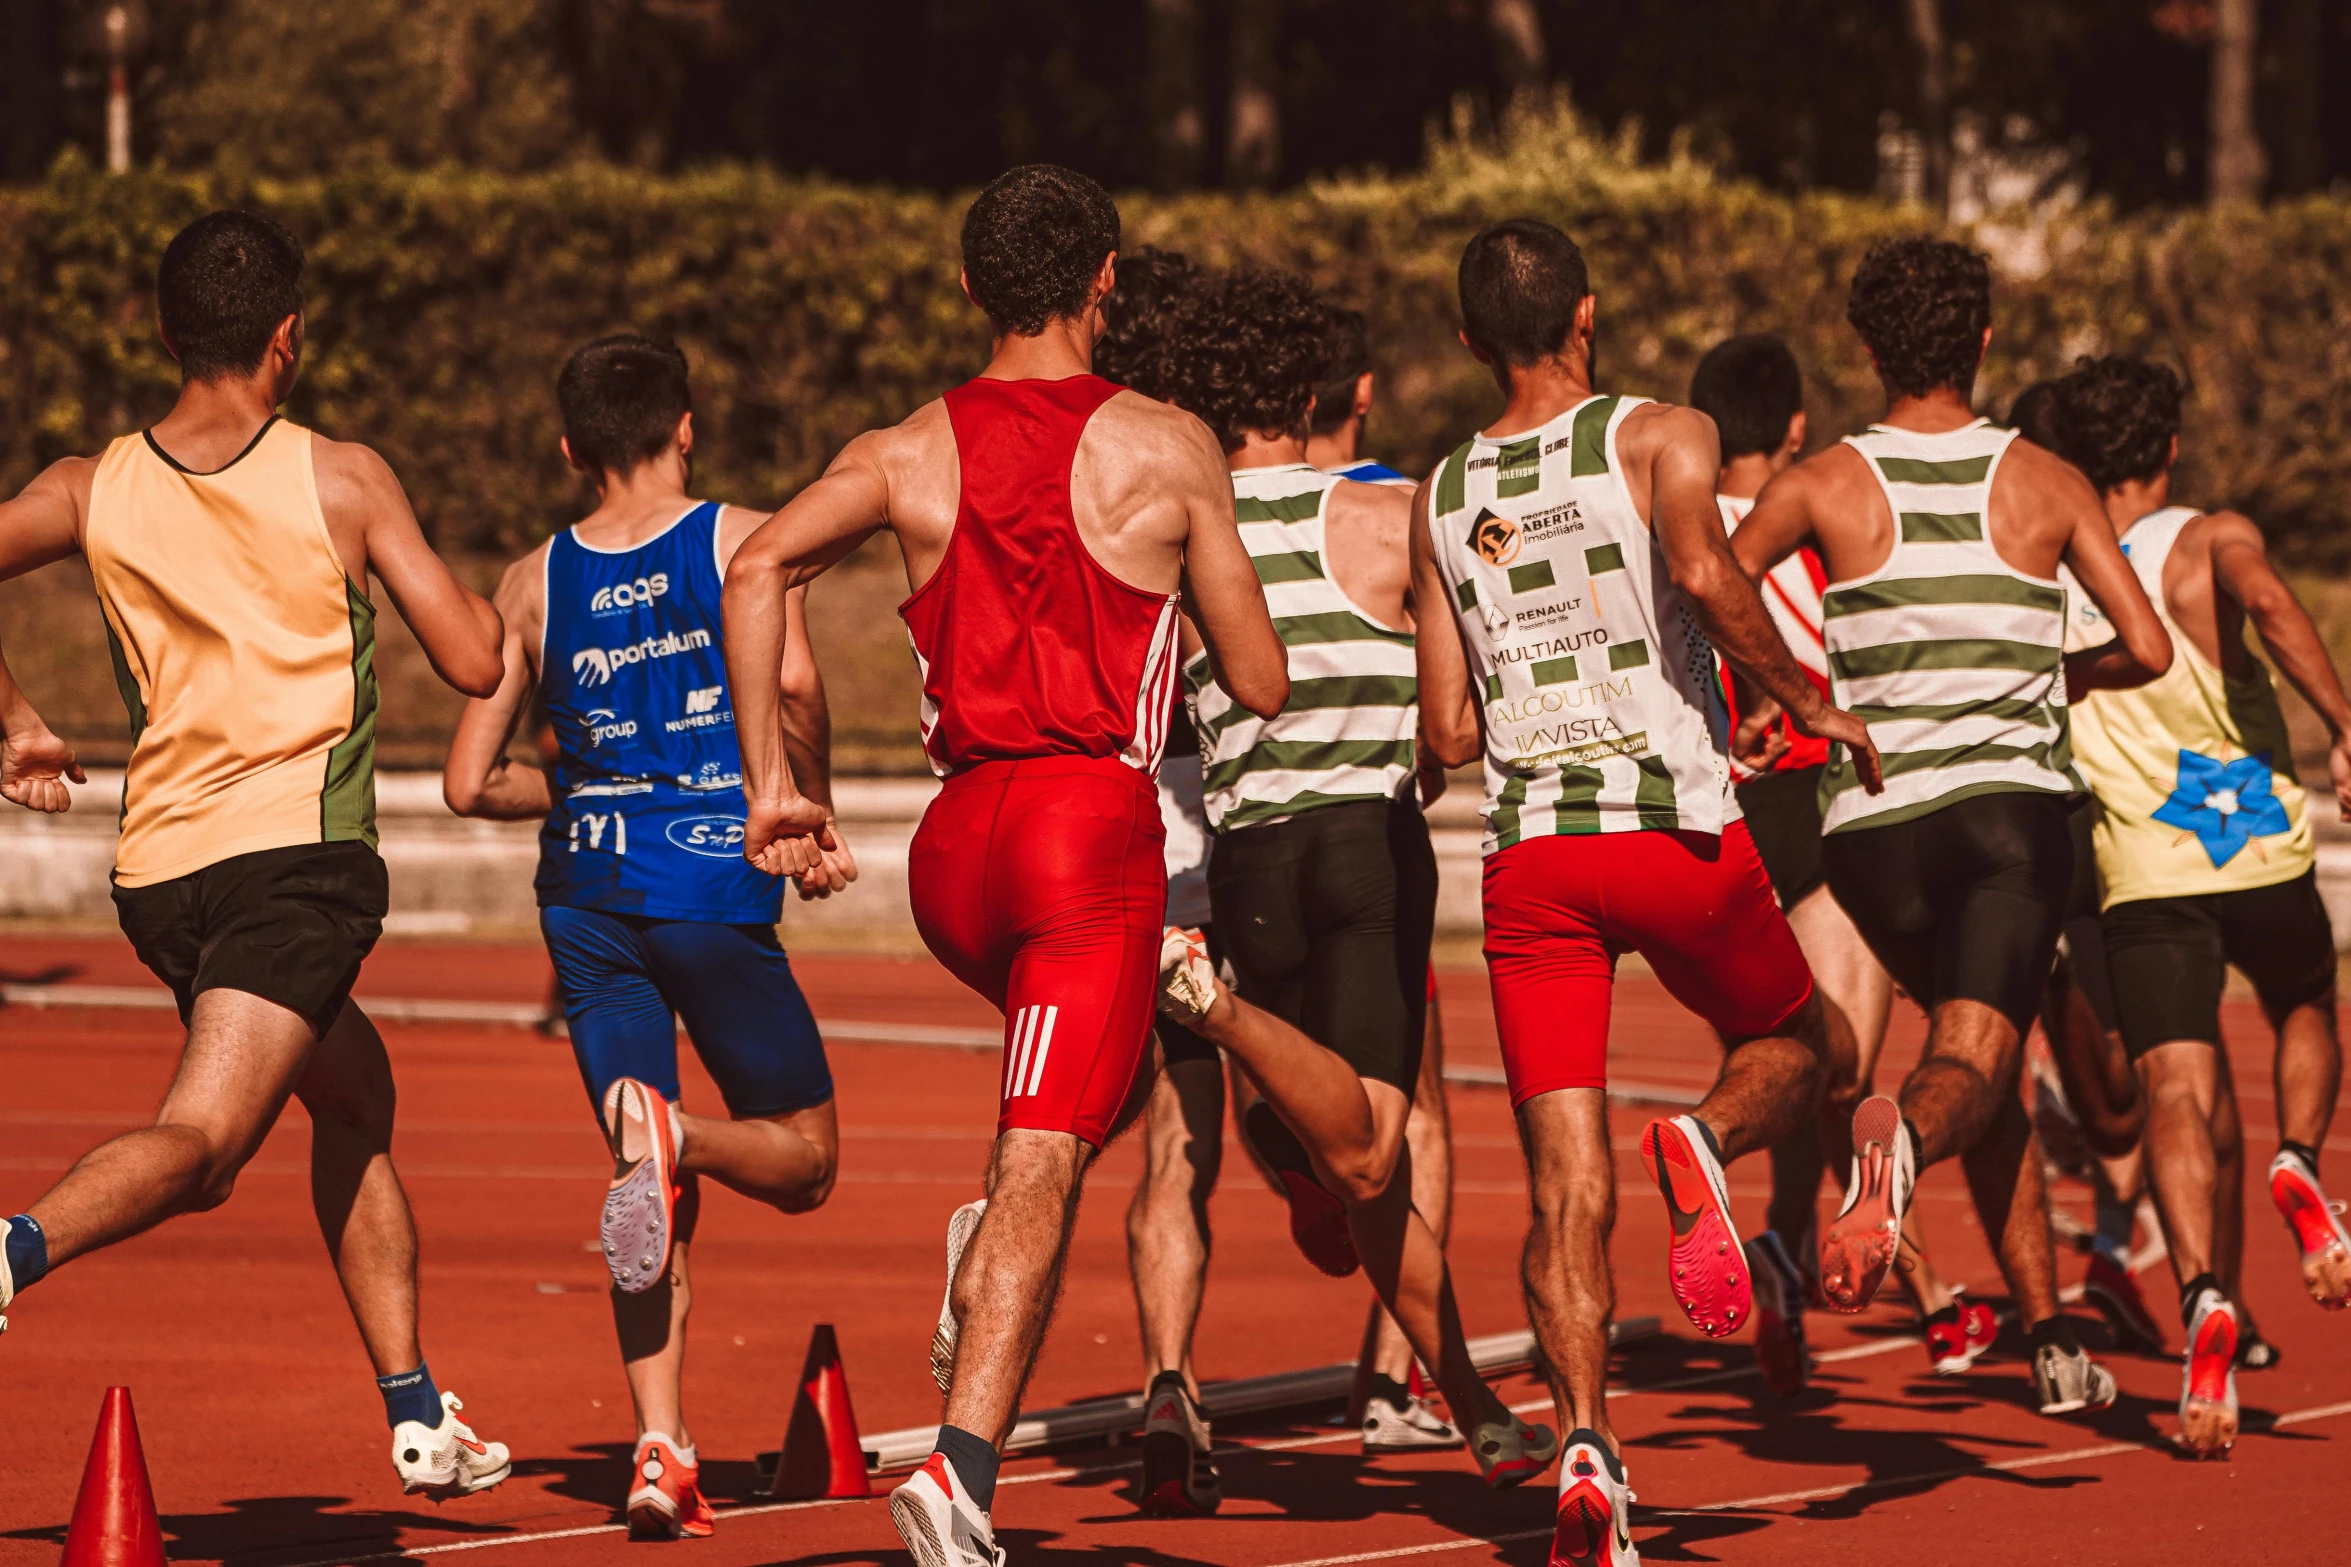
2193,1289
975,1461
2302,1151
2057,1331
1388,1388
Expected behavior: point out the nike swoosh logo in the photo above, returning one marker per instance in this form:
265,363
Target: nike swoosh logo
1684,1219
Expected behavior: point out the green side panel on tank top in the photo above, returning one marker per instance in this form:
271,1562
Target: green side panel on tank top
1910,592
1588,438
347,802
1518,467
1603,558
1555,671
1653,795
1628,655
1939,527
1295,566
1465,593
1534,575
1508,803
1453,482
1578,810
133,704
1493,688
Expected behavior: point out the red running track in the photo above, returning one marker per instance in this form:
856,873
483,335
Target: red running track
267,1449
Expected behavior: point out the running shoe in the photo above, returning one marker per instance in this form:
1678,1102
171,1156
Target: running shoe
939,1521
2208,1379
1957,1342
640,1206
1860,1245
1595,1507
962,1225
1511,1454
2255,1353
1706,1265
1179,1475
1780,1349
665,1492
2114,1294
1187,979
2318,1229
1412,1426
1318,1223
2069,1380
448,1459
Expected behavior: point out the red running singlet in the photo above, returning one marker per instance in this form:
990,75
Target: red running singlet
1028,647
1037,875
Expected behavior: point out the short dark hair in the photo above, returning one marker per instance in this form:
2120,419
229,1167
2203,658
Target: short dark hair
1750,387
1139,319
1250,348
2117,417
1921,306
2034,415
622,398
1349,361
1033,241
225,283
1520,281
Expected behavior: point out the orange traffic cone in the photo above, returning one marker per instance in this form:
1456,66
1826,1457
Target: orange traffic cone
114,1523
822,1455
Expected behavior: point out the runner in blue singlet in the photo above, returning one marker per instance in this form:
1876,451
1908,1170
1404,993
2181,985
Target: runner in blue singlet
651,914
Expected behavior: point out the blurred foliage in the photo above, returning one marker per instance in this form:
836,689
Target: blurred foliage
441,303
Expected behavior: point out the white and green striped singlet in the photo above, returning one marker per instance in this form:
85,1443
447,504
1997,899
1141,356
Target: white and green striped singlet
1347,732
1603,713
1954,658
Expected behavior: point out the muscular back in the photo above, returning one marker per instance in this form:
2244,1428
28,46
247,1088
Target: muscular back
2036,501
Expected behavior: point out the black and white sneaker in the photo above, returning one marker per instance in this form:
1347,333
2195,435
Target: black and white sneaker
2069,1381
1179,1475
939,1521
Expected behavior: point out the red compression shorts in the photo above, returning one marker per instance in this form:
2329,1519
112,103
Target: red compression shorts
1561,910
1040,884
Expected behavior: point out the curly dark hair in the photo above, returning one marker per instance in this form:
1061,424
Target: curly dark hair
1248,352
1139,319
1350,360
1033,241
1922,305
2116,418
2034,416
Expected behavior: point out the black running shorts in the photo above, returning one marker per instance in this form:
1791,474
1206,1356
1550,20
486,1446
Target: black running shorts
2085,939
1783,817
288,925
1327,919
2170,957
1964,903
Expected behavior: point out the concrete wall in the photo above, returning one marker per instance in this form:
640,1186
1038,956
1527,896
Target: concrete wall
454,878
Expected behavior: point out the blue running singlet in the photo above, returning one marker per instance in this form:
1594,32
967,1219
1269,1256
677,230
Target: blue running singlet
648,816
1366,470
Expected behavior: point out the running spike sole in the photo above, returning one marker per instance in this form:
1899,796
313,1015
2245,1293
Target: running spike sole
1580,1538
2208,1395
2326,1264
1171,1482
1859,1247
1705,1265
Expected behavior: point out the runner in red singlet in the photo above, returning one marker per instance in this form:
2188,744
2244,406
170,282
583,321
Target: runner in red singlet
1047,520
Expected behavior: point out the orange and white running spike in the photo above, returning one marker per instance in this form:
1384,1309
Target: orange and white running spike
640,1206
2318,1229
665,1492
1859,1247
1705,1263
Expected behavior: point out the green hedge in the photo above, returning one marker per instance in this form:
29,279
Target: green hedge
442,303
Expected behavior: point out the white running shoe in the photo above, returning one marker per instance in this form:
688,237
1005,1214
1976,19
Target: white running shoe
448,1459
640,1206
1187,980
2208,1378
961,1227
1859,1248
1594,1527
1409,1427
939,1521
2068,1382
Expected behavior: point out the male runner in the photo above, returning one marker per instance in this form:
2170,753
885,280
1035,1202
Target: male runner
2204,845
1334,436
648,909
1751,388
1321,876
1941,534
231,552
1047,520
1579,544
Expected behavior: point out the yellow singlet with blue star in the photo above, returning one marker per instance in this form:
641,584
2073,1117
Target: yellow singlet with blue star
2192,770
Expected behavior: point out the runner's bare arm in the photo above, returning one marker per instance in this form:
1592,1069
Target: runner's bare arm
479,778
1779,523
362,499
808,744
40,525
1685,458
2141,649
784,829
1449,726
1221,591
2241,568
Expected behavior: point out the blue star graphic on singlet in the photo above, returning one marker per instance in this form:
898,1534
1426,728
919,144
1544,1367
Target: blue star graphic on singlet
2225,804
